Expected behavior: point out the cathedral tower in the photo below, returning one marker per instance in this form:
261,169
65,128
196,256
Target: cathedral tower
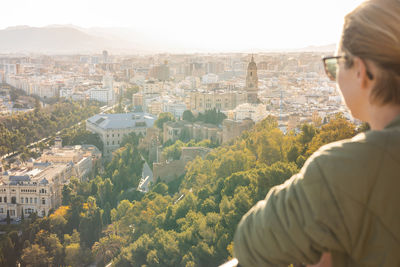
252,82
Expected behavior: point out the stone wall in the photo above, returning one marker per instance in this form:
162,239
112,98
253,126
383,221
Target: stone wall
168,171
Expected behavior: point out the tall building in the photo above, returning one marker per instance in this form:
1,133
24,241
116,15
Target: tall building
105,56
160,72
252,82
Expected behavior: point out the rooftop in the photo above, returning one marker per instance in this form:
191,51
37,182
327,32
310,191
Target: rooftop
35,175
123,120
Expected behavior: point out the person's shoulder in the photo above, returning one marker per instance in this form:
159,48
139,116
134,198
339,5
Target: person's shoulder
359,146
349,159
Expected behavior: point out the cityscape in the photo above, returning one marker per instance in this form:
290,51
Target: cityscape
142,152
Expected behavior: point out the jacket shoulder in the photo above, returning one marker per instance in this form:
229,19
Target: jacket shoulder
349,167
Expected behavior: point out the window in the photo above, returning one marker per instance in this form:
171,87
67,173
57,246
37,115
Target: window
43,201
35,200
26,200
12,212
5,199
30,200
22,200
1,210
29,211
1,199
43,213
13,200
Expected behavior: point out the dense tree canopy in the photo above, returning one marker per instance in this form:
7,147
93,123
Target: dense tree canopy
187,222
21,129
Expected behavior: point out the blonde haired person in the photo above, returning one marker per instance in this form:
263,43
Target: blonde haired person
341,209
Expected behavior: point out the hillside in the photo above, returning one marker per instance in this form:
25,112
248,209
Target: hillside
55,40
215,193
188,222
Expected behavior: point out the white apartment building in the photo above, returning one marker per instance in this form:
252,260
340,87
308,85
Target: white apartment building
104,95
209,78
152,88
66,92
176,108
108,81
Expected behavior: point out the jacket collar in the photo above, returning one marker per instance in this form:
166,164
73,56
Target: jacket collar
394,123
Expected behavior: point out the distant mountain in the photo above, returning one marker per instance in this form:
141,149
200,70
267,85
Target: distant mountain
72,39
322,48
60,39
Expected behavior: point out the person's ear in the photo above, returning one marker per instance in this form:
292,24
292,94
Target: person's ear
361,72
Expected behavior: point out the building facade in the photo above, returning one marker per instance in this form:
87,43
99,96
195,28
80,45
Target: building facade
113,127
34,188
37,185
197,131
222,100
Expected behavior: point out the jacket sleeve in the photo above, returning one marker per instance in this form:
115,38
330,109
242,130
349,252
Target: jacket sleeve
295,223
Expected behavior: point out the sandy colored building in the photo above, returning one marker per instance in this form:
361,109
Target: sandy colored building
232,129
34,188
222,100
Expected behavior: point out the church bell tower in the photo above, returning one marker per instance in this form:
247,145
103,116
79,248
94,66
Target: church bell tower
252,82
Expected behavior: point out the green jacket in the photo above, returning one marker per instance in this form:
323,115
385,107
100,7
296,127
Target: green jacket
345,200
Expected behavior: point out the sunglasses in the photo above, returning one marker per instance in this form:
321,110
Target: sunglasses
331,65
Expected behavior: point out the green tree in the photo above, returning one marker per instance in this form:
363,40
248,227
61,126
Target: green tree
162,118
35,255
107,248
188,116
91,224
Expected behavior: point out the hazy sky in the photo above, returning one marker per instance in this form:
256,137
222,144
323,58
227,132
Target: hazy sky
207,24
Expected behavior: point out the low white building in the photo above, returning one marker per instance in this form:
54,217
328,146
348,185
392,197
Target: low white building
209,78
176,108
66,92
104,95
152,88
255,112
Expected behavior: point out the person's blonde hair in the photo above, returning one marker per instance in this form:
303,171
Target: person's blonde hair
372,31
